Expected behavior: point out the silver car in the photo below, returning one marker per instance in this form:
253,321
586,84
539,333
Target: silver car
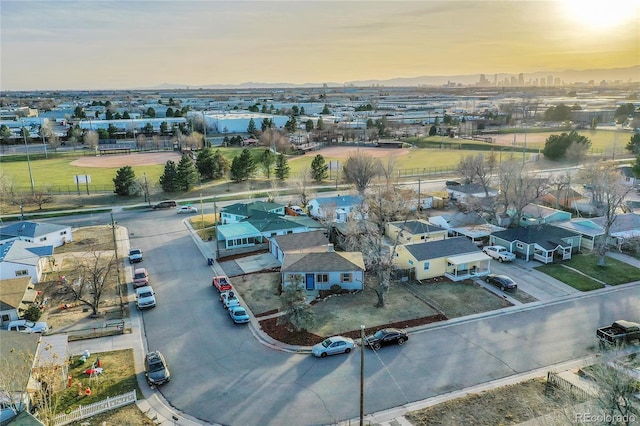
333,345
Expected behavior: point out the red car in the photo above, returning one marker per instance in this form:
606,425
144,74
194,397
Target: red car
222,283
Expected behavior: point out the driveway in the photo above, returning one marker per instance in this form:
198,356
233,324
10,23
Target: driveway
539,285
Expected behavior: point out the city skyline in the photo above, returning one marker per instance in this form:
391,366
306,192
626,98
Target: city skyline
69,45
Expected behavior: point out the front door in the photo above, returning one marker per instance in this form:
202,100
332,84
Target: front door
310,281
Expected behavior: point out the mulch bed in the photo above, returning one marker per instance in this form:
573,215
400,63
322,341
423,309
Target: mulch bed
304,338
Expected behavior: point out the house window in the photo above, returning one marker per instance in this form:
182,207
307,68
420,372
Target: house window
273,234
22,273
43,239
425,266
345,278
322,278
410,262
5,317
520,246
63,233
289,232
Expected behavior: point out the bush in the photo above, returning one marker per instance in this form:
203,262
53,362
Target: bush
33,313
336,289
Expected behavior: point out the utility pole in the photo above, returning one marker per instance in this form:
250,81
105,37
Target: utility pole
361,375
115,246
419,195
26,147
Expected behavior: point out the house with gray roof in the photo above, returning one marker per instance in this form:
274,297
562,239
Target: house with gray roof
336,209
37,232
414,231
20,258
465,193
535,214
16,295
455,258
545,243
319,271
298,243
624,227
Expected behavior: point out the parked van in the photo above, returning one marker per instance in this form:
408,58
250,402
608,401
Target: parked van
145,298
167,204
140,277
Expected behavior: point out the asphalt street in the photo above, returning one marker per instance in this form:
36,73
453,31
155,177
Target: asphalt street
221,374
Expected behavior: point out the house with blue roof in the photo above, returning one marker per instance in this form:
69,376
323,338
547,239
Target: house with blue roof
20,258
337,209
37,232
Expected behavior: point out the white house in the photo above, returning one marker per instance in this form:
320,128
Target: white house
338,207
464,193
37,232
20,259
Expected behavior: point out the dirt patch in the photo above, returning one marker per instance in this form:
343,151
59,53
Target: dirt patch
508,405
350,151
135,159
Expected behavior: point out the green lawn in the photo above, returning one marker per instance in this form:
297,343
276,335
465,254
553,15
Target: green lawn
614,273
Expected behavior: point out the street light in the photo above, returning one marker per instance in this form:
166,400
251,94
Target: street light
26,146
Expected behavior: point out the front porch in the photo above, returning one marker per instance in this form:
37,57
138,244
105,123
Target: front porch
467,266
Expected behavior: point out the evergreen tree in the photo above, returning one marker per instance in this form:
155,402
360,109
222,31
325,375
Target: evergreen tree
326,110
125,181
251,129
282,167
242,166
187,175
237,173
319,168
169,112
634,144
308,125
267,159
320,124
221,165
635,167
205,163
151,112
169,179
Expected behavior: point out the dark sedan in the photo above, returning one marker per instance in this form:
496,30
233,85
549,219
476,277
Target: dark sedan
501,281
386,336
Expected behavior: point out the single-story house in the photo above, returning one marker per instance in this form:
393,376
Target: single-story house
414,231
242,211
298,243
470,225
48,234
464,193
625,226
16,354
545,243
238,234
320,271
455,258
20,258
536,214
270,224
337,208
16,294
628,177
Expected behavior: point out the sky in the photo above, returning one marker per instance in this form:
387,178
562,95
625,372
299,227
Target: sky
92,45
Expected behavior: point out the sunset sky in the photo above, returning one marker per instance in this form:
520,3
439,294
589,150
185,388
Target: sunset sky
143,43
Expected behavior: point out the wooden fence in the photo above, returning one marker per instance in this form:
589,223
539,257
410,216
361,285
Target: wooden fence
90,410
554,382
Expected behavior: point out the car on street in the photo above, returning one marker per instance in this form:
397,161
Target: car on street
155,369
333,345
187,209
145,297
25,326
500,253
229,299
501,281
386,336
140,277
221,283
452,183
166,204
135,256
238,314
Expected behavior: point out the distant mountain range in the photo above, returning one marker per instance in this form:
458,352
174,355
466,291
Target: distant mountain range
568,77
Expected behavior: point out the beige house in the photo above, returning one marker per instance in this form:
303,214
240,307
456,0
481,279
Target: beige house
455,258
414,231
16,295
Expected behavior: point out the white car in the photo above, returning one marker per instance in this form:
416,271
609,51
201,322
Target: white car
25,326
146,298
333,345
187,209
500,253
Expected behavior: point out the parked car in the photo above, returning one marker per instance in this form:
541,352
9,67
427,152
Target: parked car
386,336
167,204
135,256
500,253
452,183
145,297
238,314
187,209
25,326
221,283
156,369
140,277
333,345
229,299
502,281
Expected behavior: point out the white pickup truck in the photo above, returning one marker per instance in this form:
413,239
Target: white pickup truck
500,253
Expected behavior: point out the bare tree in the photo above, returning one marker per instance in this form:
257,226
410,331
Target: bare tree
518,188
576,152
296,312
47,372
301,185
141,141
609,193
91,139
92,276
561,184
476,169
360,171
40,198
